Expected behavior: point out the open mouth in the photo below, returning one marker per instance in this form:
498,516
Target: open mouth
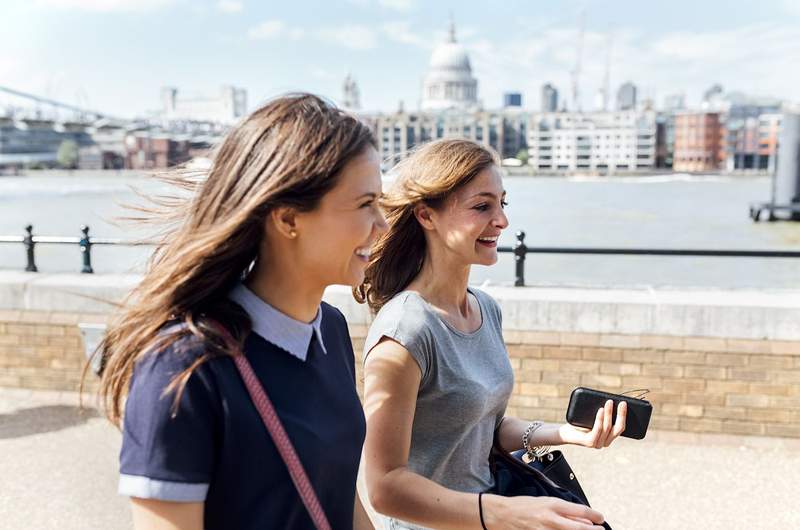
363,253
490,242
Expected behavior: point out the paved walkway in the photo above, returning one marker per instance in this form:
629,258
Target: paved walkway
58,470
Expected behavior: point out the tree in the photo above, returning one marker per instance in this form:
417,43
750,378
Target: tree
68,154
522,156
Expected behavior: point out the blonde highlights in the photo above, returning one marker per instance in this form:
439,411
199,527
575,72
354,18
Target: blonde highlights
428,175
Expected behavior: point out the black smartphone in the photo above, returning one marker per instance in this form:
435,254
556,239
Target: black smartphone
584,402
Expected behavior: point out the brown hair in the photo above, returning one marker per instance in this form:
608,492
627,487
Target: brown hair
287,153
429,175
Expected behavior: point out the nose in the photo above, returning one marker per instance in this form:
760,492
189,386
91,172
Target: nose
502,220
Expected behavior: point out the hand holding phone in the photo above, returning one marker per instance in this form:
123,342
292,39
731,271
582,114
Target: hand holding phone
585,402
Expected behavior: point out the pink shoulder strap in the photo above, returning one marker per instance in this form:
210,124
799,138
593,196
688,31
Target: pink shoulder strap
277,433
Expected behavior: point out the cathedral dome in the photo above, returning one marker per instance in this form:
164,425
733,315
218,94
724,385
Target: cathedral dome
449,82
450,56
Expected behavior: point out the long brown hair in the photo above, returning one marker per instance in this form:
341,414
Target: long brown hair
428,175
287,153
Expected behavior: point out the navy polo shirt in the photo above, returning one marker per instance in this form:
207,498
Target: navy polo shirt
216,450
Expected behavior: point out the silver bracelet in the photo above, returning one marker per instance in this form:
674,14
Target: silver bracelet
532,453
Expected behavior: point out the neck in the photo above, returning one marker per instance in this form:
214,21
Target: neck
286,289
443,282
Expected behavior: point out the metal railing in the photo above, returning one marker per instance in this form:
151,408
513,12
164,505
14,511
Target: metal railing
519,249
85,243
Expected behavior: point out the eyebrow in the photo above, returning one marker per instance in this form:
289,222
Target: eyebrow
487,194
369,194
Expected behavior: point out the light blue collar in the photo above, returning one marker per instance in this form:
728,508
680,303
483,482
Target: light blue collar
278,328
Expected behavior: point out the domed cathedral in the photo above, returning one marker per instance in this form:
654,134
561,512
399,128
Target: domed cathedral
449,83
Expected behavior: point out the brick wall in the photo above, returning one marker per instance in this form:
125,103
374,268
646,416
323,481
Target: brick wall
43,350
697,384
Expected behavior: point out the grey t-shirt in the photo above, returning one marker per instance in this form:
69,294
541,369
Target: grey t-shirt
466,383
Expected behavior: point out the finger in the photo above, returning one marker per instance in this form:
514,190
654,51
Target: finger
584,522
608,415
575,524
580,520
594,434
622,419
571,509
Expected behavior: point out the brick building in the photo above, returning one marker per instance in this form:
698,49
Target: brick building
699,141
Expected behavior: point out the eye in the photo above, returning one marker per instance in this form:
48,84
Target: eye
482,207
367,204
503,203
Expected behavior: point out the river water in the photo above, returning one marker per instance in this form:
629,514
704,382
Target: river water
672,211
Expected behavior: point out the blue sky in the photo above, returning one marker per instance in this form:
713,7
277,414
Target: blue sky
114,55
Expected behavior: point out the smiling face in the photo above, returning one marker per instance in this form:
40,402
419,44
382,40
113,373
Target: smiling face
337,235
470,220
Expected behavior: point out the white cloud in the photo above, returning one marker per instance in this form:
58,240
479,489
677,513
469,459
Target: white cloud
321,73
269,29
296,33
273,29
757,59
230,6
398,5
792,7
107,5
9,64
401,32
353,37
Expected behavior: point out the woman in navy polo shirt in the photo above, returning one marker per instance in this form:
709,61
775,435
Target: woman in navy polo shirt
288,207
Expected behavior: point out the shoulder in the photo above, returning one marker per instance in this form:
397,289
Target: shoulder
173,351
406,313
407,320
173,347
407,306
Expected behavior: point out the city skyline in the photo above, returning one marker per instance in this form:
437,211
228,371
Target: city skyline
115,55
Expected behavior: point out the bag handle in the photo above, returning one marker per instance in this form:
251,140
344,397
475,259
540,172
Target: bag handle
276,431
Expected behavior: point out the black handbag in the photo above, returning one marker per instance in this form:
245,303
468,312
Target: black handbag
548,476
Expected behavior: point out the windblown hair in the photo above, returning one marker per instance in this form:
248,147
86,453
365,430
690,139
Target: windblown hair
287,153
429,175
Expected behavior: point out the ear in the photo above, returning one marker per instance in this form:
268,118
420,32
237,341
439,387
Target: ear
424,215
284,220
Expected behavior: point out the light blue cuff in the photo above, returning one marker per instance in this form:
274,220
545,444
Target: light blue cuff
163,490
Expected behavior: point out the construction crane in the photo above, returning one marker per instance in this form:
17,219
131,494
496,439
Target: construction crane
83,114
576,73
607,74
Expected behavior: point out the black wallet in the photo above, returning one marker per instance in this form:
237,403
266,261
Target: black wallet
584,402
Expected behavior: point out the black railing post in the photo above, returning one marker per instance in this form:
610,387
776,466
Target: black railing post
86,250
29,243
520,250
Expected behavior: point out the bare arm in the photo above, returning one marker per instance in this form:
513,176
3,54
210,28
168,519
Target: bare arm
391,383
602,434
510,432
361,519
150,514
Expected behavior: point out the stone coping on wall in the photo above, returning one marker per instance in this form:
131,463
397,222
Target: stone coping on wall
724,314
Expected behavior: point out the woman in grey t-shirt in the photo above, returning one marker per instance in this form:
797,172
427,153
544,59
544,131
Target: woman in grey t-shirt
437,374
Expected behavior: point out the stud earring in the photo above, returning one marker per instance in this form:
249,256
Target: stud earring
292,234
